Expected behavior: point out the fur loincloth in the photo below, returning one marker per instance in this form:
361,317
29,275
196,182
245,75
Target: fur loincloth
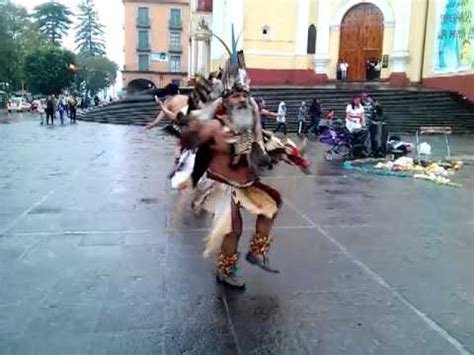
257,199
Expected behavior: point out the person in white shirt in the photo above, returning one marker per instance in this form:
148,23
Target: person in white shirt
355,115
344,66
356,125
40,107
281,118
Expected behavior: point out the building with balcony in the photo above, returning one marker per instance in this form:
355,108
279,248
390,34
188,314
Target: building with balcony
156,43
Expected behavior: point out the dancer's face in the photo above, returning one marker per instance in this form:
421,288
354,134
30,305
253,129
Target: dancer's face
238,100
240,110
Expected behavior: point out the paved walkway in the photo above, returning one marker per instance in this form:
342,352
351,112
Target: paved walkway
95,257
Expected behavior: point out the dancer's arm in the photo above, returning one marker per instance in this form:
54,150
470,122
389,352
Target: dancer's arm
268,113
156,121
164,108
199,132
164,112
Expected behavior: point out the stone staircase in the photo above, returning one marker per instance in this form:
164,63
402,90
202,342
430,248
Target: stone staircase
405,110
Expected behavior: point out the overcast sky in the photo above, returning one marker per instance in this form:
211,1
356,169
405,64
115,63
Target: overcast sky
111,16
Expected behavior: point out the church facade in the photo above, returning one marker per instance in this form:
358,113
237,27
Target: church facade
301,42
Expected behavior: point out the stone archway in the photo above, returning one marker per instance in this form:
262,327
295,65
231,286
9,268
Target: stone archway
361,38
140,85
383,5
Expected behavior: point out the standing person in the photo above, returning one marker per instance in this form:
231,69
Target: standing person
96,100
378,130
41,109
344,67
50,109
339,70
264,112
72,108
66,106
281,118
302,112
368,104
355,115
378,110
315,111
62,108
377,69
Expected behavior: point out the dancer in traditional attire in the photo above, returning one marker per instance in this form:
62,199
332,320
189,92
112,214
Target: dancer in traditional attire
222,126
235,147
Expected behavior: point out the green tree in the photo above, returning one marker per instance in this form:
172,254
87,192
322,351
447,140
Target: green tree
49,70
95,74
53,20
14,25
89,31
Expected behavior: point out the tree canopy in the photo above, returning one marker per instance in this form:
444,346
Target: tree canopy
49,70
89,31
18,36
53,20
95,74
31,52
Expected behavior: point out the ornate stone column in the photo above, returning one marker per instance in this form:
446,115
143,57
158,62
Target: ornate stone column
400,53
202,40
301,31
321,58
192,57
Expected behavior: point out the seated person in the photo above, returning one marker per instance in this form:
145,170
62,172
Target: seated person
355,124
355,115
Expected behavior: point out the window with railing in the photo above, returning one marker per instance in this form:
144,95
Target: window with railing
143,40
175,41
175,18
143,18
143,62
175,63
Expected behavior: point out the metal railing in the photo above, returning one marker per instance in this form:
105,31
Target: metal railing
175,48
175,24
143,22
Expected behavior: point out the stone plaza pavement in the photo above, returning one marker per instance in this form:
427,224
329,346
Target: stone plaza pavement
96,258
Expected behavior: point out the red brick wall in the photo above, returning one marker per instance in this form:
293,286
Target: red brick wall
463,84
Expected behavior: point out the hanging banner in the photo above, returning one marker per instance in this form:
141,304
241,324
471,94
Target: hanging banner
454,39
159,56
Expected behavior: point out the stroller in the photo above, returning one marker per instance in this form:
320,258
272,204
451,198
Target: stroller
343,143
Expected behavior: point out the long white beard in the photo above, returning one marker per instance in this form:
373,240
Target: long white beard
242,118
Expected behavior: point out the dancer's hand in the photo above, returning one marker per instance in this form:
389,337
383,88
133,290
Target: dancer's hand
159,102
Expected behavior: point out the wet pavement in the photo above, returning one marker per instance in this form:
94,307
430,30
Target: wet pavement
97,258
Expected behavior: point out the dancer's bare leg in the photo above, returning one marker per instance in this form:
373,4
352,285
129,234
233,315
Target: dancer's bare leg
227,270
260,243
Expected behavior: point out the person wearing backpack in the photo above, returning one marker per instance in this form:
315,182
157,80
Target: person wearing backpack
72,108
315,112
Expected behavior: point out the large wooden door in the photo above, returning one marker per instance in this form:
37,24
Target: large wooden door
361,38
